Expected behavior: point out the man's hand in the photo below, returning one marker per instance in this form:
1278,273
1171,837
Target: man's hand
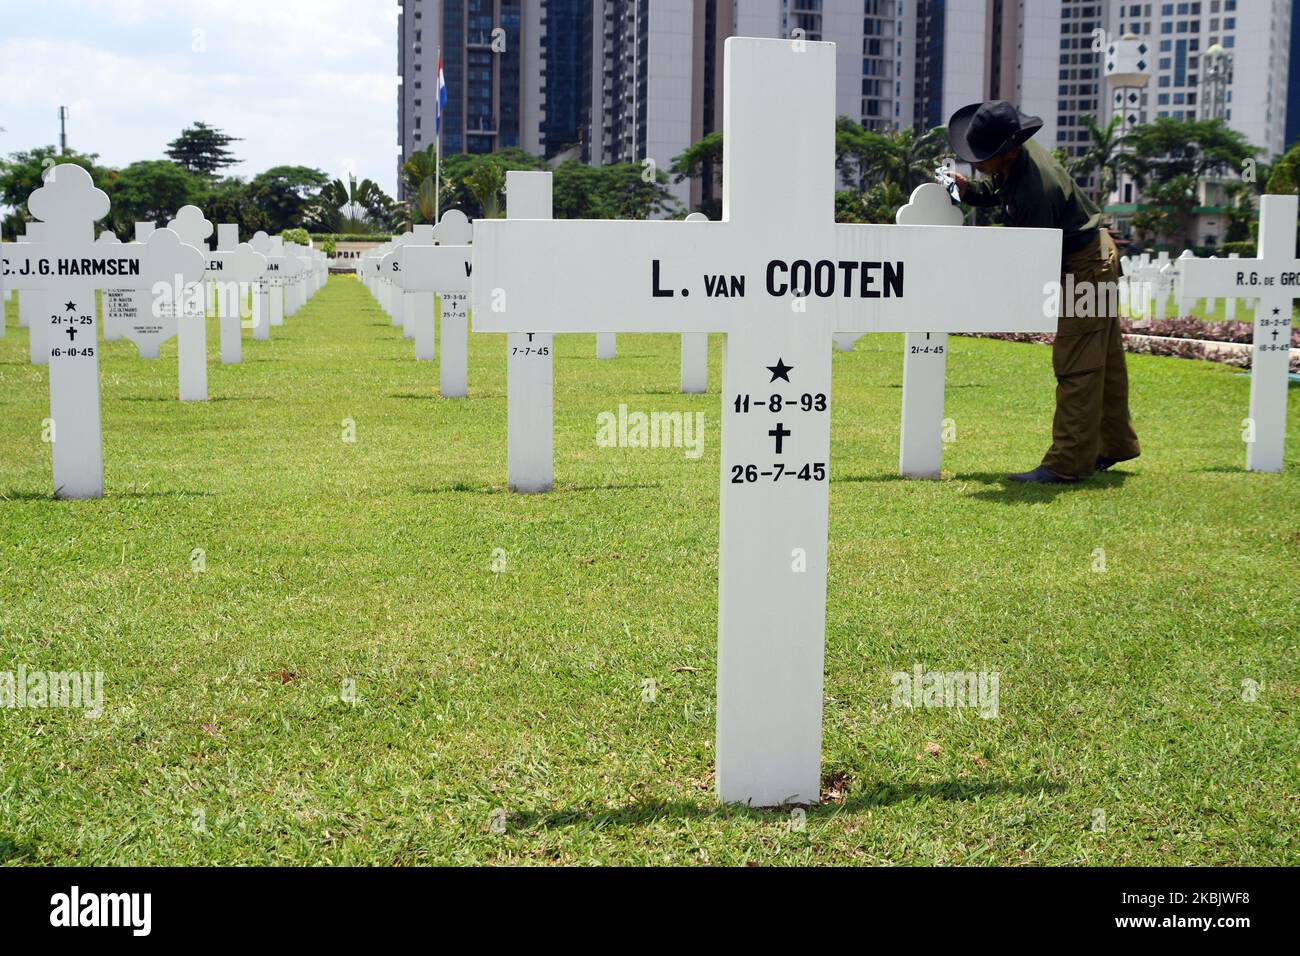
961,182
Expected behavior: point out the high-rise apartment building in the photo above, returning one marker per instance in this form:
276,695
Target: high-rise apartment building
1255,35
613,81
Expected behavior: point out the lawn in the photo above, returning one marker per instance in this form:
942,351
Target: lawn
380,656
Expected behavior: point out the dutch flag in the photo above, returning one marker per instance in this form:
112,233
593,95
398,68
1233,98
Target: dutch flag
442,98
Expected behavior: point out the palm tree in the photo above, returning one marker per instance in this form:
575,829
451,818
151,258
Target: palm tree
419,182
904,157
1103,155
354,206
486,184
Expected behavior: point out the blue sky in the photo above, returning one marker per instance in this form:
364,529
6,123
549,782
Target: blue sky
309,82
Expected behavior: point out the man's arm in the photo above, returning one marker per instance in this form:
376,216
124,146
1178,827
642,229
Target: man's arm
975,193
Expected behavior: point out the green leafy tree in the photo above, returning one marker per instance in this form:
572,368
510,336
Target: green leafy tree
151,191
1167,148
1169,213
487,186
1103,156
231,200
702,160
1284,176
284,192
300,236
617,191
419,183
458,168
23,172
202,149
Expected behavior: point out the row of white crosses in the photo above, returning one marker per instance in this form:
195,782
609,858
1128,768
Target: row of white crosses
793,278
435,260
65,268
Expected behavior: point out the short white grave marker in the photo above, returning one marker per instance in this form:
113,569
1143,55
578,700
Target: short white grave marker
192,323
925,354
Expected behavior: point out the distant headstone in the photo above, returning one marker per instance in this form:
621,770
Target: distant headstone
192,325
233,267
443,269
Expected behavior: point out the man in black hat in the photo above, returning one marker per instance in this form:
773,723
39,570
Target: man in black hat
1091,430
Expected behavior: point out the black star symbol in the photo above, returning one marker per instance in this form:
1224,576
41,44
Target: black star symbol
1276,311
71,306
780,370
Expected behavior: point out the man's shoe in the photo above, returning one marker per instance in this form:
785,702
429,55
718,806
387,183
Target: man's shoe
1043,476
1104,463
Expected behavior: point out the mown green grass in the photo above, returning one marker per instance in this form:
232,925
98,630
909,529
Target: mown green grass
225,739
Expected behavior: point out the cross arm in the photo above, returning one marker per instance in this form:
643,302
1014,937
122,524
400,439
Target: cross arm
1240,278
632,276
432,268
942,279
98,266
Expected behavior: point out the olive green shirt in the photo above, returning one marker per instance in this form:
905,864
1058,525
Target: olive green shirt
1038,192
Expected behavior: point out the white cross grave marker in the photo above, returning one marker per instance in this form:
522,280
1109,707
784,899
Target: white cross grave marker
146,326
1230,303
192,324
778,276
530,366
415,304
112,324
234,265
261,243
32,305
71,267
444,270
1273,276
925,355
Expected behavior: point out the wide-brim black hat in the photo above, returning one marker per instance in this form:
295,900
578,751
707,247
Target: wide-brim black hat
983,130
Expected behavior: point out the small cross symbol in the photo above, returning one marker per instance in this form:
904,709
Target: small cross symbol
780,433
1275,332
72,333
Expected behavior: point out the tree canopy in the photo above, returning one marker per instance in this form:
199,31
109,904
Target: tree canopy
202,149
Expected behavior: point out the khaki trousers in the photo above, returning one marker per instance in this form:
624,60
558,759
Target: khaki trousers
1092,414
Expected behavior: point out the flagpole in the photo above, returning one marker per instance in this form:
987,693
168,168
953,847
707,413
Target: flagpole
437,141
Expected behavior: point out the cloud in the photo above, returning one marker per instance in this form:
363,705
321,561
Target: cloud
303,82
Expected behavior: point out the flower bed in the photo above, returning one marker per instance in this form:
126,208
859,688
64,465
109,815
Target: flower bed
1143,341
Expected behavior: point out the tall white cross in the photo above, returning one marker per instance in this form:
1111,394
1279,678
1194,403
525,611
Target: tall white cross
1274,277
70,266
778,276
